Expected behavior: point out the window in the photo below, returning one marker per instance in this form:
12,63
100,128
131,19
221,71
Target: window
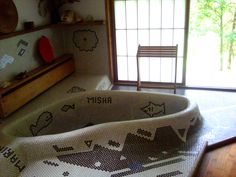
148,22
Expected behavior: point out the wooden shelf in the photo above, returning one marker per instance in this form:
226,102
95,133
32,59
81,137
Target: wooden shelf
59,25
33,74
39,80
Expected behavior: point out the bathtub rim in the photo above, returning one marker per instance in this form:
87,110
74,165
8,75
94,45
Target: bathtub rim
191,108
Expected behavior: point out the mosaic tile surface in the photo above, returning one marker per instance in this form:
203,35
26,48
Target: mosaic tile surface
155,135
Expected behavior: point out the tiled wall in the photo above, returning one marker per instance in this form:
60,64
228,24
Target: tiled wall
23,48
94,57
93,61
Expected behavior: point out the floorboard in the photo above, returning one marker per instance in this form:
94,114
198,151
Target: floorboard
219,163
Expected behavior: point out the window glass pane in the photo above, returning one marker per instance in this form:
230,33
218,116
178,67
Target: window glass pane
143,13
121,42
179,39
155,69
143,37
155,13
179,69
167,37
179,20
167,13
149,22
132,42
120,14
144,69
173,69
155,37
122,68
132,63
131,12
166,69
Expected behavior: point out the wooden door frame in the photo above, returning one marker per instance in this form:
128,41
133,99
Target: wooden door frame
111,37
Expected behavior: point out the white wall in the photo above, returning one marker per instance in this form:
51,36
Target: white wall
28,11
96,61
31,58
91,62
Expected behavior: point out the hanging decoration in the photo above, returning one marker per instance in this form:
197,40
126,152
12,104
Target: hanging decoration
43,8
46,49
5,60
8,16
22,47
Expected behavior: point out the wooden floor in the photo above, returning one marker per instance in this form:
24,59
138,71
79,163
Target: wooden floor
219,163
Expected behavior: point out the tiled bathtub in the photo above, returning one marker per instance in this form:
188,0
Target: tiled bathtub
104,133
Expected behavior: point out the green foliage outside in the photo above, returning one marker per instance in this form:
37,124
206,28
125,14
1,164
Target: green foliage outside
219,17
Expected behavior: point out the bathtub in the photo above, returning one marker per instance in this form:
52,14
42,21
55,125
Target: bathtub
103,133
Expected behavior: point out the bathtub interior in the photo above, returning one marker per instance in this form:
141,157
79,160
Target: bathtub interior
92,108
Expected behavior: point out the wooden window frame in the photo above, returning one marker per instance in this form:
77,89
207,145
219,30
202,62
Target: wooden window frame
110,21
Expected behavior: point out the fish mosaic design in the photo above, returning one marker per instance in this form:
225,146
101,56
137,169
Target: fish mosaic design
153,109
43,121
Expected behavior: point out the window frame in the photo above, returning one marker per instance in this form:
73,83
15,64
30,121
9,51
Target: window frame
112,53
